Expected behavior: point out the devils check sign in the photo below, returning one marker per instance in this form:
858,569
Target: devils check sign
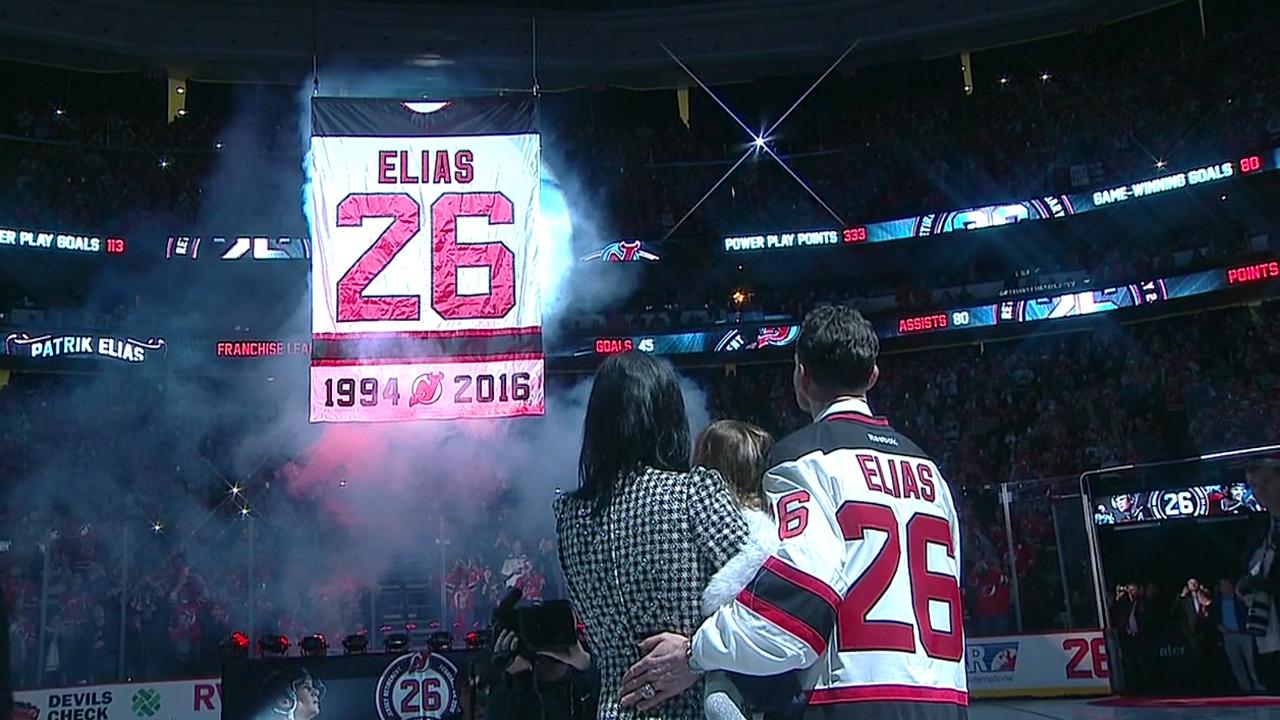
424,265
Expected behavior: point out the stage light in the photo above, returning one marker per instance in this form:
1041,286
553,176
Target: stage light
1223,197
1160,164
182,112
236,645
217,145
244,511
357,644
1004,79
314,646
479,638
273,645
164,164
440,641
739,297
157,527
1044,76
180,90
968,88
396,642
236,489
759,142
59,112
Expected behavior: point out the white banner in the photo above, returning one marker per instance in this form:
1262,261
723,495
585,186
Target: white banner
424,253
1068,663
197,699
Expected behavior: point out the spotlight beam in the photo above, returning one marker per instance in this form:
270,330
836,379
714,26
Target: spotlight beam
758,142
719,182
804,185
813,87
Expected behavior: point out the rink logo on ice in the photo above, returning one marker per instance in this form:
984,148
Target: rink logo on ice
146,703
992,659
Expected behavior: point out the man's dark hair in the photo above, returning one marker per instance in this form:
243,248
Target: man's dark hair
838,349
635,418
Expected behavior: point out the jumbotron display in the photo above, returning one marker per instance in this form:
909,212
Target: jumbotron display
1175,504
977,218
745,338
61,241
1088,302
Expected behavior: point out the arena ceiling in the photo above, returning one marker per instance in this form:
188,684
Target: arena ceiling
489,43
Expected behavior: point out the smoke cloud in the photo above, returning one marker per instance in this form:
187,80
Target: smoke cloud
230,476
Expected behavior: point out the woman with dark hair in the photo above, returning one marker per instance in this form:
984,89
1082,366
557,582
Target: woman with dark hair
644,533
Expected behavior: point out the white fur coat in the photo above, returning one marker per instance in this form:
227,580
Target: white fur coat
762,541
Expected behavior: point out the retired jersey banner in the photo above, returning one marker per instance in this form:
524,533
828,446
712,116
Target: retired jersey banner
425,300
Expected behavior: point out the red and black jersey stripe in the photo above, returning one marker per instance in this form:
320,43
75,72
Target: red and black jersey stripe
795,601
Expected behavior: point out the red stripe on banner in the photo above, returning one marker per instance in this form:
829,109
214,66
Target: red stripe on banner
791,625
428,334
888,693
443,360
859,418
804,581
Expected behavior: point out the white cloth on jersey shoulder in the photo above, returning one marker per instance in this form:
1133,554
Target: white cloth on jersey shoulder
762,541
722,700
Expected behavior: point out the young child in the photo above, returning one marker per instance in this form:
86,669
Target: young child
739,451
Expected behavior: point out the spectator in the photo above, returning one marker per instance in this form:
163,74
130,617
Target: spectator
1230,615
1262,573
516,564
994,606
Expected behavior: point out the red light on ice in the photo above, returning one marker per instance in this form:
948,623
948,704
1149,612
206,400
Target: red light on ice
1253,163
1253,273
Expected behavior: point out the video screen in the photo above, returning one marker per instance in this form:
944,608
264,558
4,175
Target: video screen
1191,502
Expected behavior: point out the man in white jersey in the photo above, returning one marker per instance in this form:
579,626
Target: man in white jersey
862,596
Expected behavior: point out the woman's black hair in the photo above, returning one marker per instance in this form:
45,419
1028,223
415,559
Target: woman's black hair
635,418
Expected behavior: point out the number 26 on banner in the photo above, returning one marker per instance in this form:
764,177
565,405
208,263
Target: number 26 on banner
447,257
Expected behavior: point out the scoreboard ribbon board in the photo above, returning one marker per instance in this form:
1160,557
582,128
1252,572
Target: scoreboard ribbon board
425,300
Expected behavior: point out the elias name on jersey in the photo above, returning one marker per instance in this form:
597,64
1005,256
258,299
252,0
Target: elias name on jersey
907,477
861,596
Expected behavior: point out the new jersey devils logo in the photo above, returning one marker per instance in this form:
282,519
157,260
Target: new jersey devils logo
417,686
427,388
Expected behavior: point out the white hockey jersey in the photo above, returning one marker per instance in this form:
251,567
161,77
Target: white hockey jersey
862,595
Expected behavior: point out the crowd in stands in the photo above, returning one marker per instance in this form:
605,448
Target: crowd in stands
1014,411
1031,126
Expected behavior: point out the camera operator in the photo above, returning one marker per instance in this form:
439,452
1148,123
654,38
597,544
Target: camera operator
543,685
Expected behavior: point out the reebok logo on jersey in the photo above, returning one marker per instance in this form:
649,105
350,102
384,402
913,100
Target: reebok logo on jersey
882,439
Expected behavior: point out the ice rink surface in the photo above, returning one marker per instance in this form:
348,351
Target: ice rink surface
1079,709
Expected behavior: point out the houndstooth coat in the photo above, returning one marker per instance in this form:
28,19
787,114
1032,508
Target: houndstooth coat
638,567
